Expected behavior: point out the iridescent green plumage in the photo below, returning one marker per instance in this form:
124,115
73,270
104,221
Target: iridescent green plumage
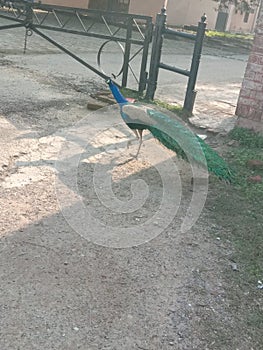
178,138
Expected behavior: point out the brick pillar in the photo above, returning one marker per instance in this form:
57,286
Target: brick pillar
250,102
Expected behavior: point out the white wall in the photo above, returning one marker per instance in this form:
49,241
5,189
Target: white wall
67,3
189,12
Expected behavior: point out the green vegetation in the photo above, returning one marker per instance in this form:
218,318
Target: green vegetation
239,210
228,35
247,138
243,209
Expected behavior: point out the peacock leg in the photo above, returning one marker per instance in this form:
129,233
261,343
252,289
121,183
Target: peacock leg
140,142
137,137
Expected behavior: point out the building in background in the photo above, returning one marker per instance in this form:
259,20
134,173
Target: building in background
179,12
103,5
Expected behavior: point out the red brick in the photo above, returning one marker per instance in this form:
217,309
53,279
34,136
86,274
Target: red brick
255,179
258,50
249,102
256,115
258,77
259,97
250,75
252,85
253,94
254,67
245,93
242,110
258,59
255,164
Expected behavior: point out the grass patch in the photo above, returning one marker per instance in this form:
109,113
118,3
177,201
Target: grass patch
247,138
240,207
239,210
228,35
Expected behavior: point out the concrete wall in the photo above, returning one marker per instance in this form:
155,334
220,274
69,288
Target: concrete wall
181,12
144,7
67,3
189,12
236,22
250,102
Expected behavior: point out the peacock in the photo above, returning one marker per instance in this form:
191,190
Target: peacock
170,132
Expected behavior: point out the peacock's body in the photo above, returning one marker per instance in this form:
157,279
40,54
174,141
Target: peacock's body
172,133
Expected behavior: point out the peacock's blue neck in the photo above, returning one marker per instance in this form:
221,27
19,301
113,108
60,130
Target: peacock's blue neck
117,94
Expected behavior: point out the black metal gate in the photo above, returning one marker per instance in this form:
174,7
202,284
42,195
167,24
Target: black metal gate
156,64
121,28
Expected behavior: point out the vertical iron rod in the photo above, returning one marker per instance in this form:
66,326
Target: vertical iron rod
191,92
156,53
147,41
127,53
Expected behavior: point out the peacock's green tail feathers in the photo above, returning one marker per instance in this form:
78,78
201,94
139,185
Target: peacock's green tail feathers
178,138
216,164
167,141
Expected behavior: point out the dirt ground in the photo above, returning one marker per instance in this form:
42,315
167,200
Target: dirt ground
63,284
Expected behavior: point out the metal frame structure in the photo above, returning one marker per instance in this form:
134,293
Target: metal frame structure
156,64
124,29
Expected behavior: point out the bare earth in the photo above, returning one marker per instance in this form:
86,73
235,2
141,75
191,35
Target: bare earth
59,288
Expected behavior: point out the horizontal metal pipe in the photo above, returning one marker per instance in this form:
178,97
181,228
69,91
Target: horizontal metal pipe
10,26
93,35
12,18
87,12
175,69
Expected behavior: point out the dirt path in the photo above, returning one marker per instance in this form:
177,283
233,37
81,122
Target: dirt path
60,290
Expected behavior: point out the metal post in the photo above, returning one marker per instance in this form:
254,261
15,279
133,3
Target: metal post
143,72
127,52
29,14
156,53
191,92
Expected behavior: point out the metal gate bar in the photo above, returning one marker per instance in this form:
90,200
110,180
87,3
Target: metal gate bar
10,26
156,64
71,54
